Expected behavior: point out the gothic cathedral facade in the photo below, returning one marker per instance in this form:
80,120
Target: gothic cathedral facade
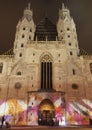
45,80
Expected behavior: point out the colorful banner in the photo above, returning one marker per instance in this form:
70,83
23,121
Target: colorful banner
22,112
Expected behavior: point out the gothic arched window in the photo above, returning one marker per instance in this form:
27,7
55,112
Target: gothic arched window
22,45
71,53
30,30
70,44
23,35
24,28
20,55
68,29
46,72
1,67
91,68
29,37
18,73
73,71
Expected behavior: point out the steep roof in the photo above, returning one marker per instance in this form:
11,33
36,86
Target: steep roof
45,29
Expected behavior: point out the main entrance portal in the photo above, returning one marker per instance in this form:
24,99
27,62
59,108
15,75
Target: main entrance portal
46,108
46,112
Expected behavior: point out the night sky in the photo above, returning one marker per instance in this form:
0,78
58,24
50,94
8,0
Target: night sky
12,10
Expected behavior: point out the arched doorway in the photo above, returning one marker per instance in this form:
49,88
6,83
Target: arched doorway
46,112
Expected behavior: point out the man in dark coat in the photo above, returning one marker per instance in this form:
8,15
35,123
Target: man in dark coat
3,119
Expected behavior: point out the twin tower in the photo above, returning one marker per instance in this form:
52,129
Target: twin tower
64,32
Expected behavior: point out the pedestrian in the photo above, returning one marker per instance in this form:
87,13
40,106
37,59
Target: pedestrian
2,121
7,125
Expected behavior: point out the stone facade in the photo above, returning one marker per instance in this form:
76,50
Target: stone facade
20,73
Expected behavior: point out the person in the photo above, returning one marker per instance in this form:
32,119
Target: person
2,121
7,125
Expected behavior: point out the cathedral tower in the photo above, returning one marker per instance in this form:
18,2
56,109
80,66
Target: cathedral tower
67,31
24,33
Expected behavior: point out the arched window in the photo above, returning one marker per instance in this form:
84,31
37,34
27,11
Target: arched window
30,30
46,72
1,67
22,45
59,55
68,36
69,44
33,54
91,68
23,35
74,86
24,28
18,73
73,70
68,29
32,85
29,37
20,55
71,53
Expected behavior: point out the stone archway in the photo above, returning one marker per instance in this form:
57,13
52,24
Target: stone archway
46,112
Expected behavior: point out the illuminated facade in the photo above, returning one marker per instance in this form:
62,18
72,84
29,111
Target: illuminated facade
46,81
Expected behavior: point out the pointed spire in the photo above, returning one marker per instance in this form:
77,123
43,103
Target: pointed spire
63,6
29,5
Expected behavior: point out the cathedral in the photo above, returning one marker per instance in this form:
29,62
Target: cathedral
45,80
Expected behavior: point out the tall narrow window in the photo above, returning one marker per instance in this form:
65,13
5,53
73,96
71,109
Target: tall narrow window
22,45
46,73
32,85
68,29
71,53
20,55
23,35
91,68
73,71
23,28
30,30
68,36
69,44
1,67
29,37
18,73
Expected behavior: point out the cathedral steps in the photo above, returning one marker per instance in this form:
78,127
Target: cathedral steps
51,127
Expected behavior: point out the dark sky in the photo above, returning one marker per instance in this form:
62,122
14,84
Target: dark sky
12,10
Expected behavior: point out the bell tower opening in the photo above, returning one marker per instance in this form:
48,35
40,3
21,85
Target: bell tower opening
46,73
46,112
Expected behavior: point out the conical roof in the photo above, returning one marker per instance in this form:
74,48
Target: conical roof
46,29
